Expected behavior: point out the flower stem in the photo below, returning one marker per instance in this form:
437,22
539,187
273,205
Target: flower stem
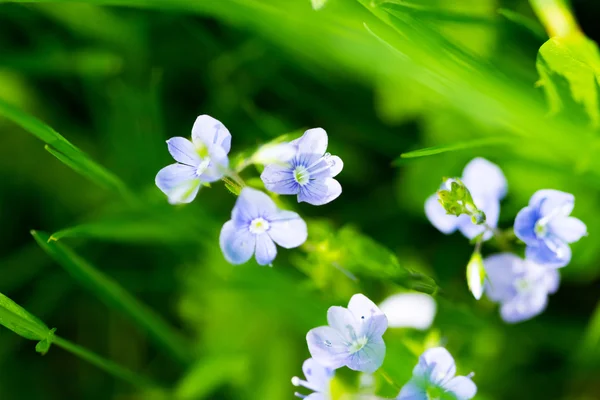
108,366
388,378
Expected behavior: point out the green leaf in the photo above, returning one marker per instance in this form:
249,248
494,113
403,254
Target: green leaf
20,321
569,69
445,148
208,374
62,149
44,345
113,295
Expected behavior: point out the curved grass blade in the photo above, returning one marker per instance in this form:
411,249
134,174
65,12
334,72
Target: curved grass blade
469,144
113,295
20,321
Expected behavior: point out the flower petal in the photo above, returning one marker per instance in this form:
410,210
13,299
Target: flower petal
569,229
462,387
412,391
179,182
315,396
557,255
484,178
525,224
372,320
317,375
502,270
369,358
217,167
237,245
265,249
252,204
314,141
344,321
183,151
327,346
208,131
435,365
277,153
319,192
552,201
524,307
437,216
336,165
288,230
280,179
409,310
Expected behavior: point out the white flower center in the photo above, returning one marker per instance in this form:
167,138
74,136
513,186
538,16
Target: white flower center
358,343
522,285
301,175
203,166
259,225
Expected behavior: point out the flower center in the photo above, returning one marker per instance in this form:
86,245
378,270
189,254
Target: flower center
540,229
358,343
203,166
259,225
522,286
301,175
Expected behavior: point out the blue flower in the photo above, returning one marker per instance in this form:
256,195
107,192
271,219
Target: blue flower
433,378
487,185
520,286
199,161
256,225
318,379
309,174
353,337
546,228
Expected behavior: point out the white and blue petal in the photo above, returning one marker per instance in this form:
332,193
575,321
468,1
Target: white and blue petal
436,365
413,390
525,222
484,178
551,252
280,179
553,202
252,204
209,132
502,270
265,249
335,165
320,192
287,229
183,151
328,347
317,375
369,358
216,165
179,182
438,217
462,388
313,141
524,307
373,322
344,321
569,229
237,244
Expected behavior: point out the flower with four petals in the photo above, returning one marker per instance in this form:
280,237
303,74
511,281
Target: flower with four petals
318,379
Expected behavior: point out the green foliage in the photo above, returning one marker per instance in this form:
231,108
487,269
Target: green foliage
21,322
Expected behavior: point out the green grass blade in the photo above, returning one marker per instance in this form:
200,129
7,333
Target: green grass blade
445,148
113,295
208,374
20,321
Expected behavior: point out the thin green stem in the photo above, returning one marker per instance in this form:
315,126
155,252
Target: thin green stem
107,366
556,16
388,378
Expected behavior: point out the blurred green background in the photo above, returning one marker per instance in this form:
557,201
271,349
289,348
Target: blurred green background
118,78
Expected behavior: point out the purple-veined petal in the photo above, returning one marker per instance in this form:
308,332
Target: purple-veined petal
236,244
484,178
217,166
317,375
280,179
320,192
569,229
265,249
435,365
252,204
437,216
369,358
372,320
335,165
327,346
413,390
209,132
553,202
525,224
462,387
551,252
344,321
502,270
313,141
524,307
287,229
183,151
179,182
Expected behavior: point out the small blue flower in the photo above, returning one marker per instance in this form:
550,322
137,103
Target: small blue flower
353,337
199,161
433,378
256,225
309,174
318,379
547,229
487,185
520,286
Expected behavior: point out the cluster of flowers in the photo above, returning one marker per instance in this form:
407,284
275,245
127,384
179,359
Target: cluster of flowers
354,339
301,167
520,286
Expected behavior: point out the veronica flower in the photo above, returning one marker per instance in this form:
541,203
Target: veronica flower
318,379
520,286
256,225
199,161
487,186
309,174
547,229
353,337
434,378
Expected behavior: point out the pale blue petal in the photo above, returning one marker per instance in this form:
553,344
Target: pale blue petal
525,224
524,307
328,347
315,396
558,256
551,280
437,216
569,229
373,321
287,229
178,182
369,358
252,204
553,202
320,192
209,132
484,178
502,270
435,365
236,244
462,387
219,163
317,375
265,249
183,151
335,165
343,320
314,141
280,179
412,391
